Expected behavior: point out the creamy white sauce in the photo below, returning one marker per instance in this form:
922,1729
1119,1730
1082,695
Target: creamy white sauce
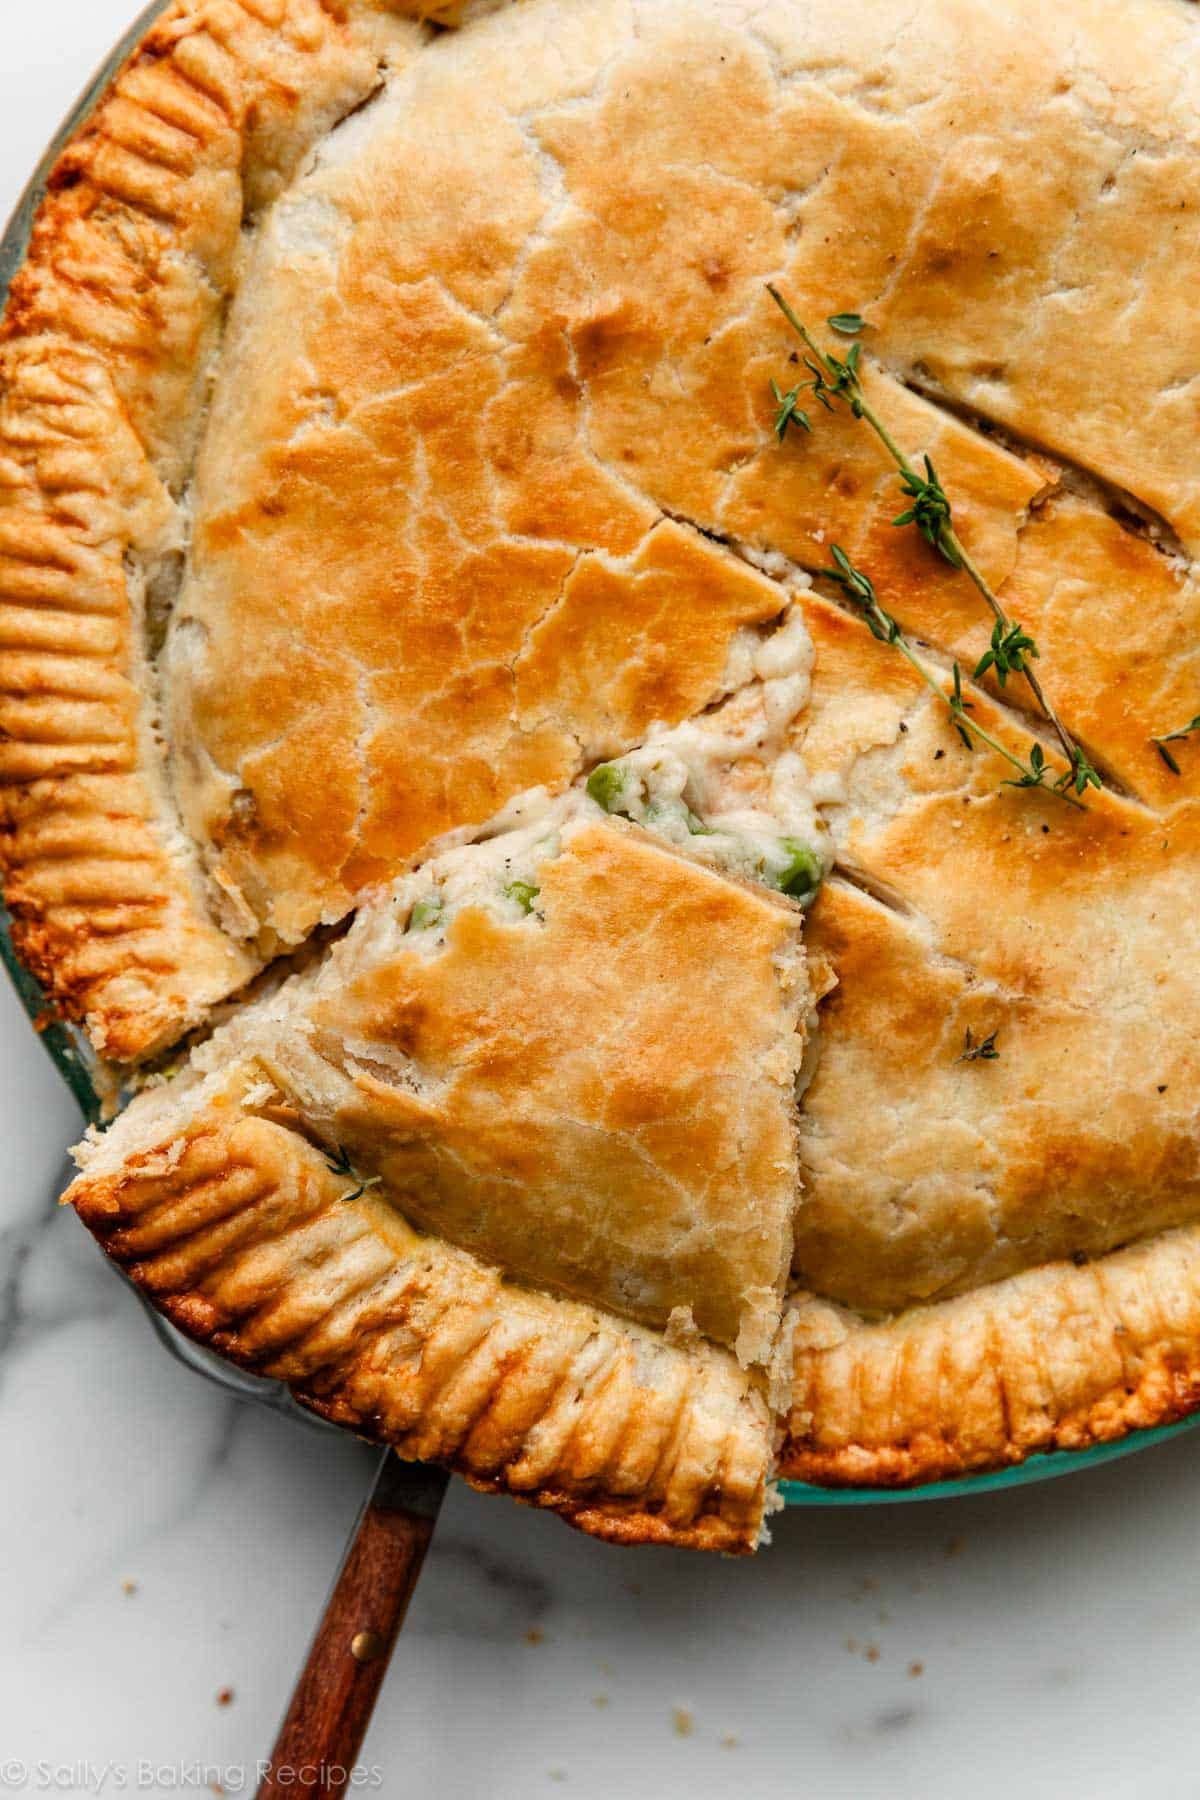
499,873
723,787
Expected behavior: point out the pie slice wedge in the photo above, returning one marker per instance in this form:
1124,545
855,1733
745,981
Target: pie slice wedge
506,1179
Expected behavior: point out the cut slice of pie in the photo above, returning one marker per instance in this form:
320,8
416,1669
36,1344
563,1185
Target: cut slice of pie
394,512
506,1179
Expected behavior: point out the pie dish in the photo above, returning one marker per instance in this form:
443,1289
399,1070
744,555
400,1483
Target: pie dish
424,706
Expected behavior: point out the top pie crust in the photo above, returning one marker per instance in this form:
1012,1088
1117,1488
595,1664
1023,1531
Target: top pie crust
372,400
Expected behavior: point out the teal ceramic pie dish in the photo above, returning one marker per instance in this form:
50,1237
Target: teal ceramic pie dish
73,1060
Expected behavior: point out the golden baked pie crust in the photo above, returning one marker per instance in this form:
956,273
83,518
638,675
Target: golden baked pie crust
104,357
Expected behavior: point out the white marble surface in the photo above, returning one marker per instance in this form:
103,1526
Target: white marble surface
1044,1642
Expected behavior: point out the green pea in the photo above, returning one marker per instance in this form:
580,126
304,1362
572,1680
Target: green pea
606,785
424,915
524,893
801,873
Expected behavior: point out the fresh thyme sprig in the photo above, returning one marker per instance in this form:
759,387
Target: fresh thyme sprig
833,378
859,587
1010,647
1171,737
982,1051
790,412
341,1165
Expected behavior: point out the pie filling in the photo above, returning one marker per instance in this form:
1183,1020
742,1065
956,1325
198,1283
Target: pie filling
722,788
725,786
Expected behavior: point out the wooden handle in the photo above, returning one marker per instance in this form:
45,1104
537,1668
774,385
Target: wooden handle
320,1738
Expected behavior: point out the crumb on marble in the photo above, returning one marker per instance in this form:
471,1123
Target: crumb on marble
852,1645
730,1741
599,1699
956,1546
683,1720
872,1652
916,1668
225,1697
534,1636
129,1587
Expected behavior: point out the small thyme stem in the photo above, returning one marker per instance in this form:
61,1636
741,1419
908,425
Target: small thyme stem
841,377
340,1164
934,685
883,627
969,567
1172,737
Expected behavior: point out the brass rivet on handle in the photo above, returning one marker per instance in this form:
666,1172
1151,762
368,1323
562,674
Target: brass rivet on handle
367,1647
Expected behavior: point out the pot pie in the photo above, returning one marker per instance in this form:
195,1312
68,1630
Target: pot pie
429,729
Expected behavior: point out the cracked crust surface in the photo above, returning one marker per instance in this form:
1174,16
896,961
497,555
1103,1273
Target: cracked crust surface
536,1090
541,370
495,370
1072,934
950,1204
557,378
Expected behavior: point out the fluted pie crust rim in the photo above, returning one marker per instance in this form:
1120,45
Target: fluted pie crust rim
409,1341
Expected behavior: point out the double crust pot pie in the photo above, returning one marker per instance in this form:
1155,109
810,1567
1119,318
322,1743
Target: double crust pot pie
433,716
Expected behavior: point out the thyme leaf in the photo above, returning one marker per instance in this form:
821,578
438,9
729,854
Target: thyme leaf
983,1050
929,512
1172,737
1037,770
1010,647
341,1165
1081,774
789,410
